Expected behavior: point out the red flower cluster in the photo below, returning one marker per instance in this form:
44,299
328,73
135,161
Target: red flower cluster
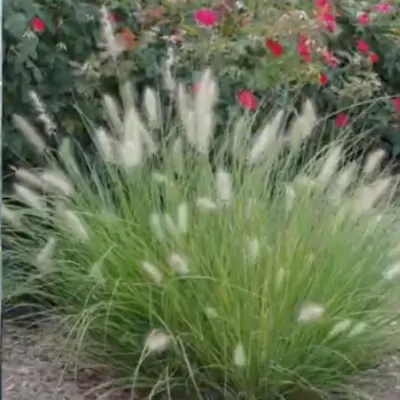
38,25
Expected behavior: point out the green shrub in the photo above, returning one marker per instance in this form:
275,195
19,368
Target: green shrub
180,274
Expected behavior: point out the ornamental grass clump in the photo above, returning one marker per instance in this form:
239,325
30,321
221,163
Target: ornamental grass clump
250,277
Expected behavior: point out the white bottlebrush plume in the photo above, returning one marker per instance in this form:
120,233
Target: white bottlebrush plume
10,216
239,355
310,312
358,329
205,203
44,259
179,264
252,251
30,198
168,79
339,328
330,165
74,224
66,155
30,133
152,108
266,139
129,153
113,113
156,226
204,102
49,125
369,195
303,125
211,312
344,178
182,218
392,272
105,145
28,178
373,162
56,181
152,271
157,342
170,225
224,186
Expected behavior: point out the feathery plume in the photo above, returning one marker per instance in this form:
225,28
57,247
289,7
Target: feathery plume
369,195
211,312
153,272
30,133
170,225
224,186
303,125
392,272
112,109
266,139
179,264
157,342
152,108
105,145
156,227
182,218
239,356
56,181
74,223
373,162
310,312
49,125
345,177
44,259
186,115
339,328
358,328
27,177
10,216
206,203
30,198
330,165
66,155
169,81
129,153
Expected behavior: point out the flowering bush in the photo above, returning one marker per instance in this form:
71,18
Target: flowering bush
255,279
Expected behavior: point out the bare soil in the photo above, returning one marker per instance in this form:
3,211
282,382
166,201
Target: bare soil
35,366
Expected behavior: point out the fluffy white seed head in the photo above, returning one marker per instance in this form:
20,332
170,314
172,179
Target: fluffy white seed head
170,225
369,195
310,312
211,312
105,145
224,187
152,108
44,260
343,181
303,125
74,224
156,226
152,271
30,133
113,113
182,218
30,198
330,165
373,162
28,178
179,264
56,181
205,203
339,328
157,342
239,355
392,272
358,329
10,216
50,127
266,139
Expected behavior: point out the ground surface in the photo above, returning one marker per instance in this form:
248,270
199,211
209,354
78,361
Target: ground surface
33,369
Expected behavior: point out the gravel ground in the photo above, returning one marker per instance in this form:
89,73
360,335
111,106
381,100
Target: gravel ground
33,369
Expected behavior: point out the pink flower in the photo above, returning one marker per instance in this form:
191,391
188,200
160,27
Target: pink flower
329,21
303,48
396,103
275,47
323,79
330,58
115,18
247,99
196,87
38,25
342,120
374,58
206,17
364,18
383,8
363,47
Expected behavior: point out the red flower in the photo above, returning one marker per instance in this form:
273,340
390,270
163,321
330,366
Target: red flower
374,57
206,17
396,103
303,48
330,58
363,47
247,99
323,79
342,120
113,17
329,21
275,47
364,18
38,25
383,8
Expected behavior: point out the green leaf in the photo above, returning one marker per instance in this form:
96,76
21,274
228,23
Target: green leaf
27,48
16,24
